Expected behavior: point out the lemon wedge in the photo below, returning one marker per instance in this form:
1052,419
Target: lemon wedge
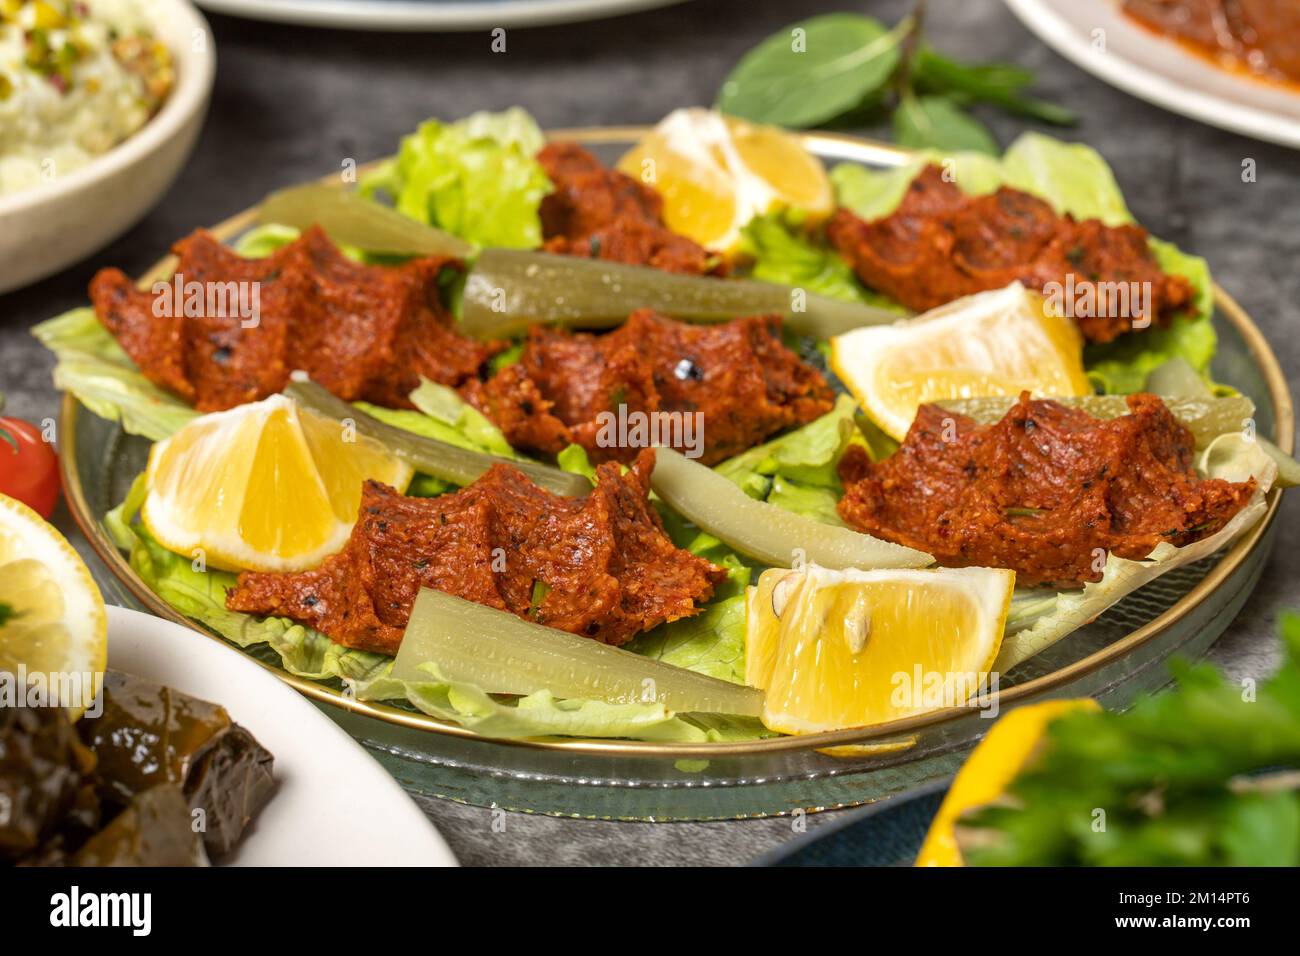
993,343
266,487
989,770
840,649
717,172
52,620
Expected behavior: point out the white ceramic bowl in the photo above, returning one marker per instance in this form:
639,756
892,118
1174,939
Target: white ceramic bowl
51,226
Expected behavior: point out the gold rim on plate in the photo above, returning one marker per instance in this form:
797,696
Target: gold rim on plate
824,145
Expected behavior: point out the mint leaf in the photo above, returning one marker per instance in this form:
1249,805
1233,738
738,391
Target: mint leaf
937,122
813,71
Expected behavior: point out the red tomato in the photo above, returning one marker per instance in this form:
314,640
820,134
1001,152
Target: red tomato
29,467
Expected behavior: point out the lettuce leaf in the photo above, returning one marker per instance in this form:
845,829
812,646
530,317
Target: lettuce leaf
93,367
874,193
797,470
712,642
574,459
262,240
442,414
477,178
444,404
1074,179
536,715
782,253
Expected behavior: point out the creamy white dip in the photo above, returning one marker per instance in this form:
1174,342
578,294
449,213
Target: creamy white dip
76,79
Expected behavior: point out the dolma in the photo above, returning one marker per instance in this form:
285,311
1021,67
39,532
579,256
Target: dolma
155,829
46,792
148,734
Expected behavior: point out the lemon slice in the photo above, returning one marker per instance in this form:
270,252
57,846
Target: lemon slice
716,172
266,487
994,343
988,771
52,620
840,649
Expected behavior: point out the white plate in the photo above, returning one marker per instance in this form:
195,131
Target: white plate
334,805
1161,71
428,14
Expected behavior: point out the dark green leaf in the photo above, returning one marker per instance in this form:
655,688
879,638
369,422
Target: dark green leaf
935,122
934,71
6,613
787,256
1002,84
1041,110
804,79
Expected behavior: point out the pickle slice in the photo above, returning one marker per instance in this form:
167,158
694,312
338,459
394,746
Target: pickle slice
771,534
460,466
509,289
353,220
1205,417
501,653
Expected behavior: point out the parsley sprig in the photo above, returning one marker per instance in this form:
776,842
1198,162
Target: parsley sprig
1204,774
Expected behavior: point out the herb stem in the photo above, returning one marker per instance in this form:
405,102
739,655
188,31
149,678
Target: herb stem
911,29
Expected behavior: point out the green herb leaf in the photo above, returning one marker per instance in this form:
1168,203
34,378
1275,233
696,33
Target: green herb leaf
941,73
1002,84
788,256
813,71
1041,110
936,122
1198,775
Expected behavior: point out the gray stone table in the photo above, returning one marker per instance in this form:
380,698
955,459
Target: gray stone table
291,103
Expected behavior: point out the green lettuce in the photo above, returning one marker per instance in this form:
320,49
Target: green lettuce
477,178
536,715
786,255
444,404
712,642
262,240
93,367
574,459
442,414
798,469
1074,179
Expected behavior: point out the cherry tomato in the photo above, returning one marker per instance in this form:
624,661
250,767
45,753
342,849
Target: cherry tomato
29,467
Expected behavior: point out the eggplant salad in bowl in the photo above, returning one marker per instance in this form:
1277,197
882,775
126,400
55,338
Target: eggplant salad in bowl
707,444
